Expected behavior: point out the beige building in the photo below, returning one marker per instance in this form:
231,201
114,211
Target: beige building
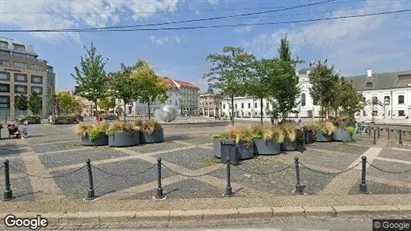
209,103
188,97
20,73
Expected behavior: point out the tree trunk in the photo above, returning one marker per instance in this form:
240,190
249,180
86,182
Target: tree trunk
149,111
232,109
95,107
125,113
261,111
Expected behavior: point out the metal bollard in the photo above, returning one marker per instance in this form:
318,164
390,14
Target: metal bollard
228,189
388,133
363,185
374,141
8,193
91,193
400,137
379,132
298,187
159,194
369,131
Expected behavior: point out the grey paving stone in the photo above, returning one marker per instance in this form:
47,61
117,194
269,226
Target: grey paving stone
57,147
392,167
21,187
11,149
339,147
337,161
147,148
76,185
395,154
80,156
379,188
50,138
17,164
193,158
189,188
199,140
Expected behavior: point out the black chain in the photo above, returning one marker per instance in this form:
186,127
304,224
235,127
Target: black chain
48,177
265,173
330,173
386,171
121,175
186,175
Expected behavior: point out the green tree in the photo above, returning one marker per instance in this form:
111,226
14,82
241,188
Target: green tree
150,87
21,103
53,103
351,99
324,82
230,71
67,103
107,103
90,77
35,103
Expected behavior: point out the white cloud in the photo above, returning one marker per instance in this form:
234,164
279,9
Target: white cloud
161,41
52,14
349,43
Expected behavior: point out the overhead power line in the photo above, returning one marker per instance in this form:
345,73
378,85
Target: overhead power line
211,26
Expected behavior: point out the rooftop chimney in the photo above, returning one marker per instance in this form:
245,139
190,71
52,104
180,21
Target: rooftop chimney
369,73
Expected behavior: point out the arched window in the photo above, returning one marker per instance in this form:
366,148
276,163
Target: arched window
387,99
303,99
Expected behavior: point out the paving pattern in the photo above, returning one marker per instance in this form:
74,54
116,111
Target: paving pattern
51,164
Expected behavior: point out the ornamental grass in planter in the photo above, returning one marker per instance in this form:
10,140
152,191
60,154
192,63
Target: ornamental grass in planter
217,139
267,140
325,131
290,137
31,119
240,136
151,131
310,131
121,134
343,133
92,134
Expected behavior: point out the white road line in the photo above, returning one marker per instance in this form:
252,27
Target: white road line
371,154
401,149
393,160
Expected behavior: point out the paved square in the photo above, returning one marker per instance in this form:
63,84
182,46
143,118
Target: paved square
193,158
149,148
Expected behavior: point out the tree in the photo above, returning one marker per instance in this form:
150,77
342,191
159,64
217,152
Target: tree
230,72
35,103
21,103
53,101
150,87
351,99
107,103
323,81
67,103
91,78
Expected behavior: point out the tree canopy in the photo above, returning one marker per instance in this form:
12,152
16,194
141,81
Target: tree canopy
21,103
35,103
67,103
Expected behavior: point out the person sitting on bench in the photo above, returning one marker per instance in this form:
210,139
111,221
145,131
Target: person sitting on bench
13,131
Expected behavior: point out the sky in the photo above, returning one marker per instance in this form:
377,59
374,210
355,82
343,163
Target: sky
354,45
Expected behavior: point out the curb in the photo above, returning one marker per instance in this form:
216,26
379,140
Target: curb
217,214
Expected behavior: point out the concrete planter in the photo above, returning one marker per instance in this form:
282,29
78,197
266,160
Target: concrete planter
341,134
124,139
100,141
308,137
64,122
244,151
266,147
320,137
30,122
156,137
287,145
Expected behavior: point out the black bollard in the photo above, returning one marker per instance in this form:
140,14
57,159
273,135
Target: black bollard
369,131
388,134
379,132
159,194
363,185
91,193
400,139
298,187
374,141
228,189
8,193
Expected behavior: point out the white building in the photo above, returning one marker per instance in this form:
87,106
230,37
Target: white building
189,97
392,90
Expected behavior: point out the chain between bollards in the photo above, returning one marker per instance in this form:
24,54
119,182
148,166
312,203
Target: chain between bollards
8,193
159,191
400,137
91,193
363,185
375,140
228,189
299,189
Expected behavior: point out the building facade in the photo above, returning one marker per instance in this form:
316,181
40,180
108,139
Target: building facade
21,72
188,97
51,84
209,103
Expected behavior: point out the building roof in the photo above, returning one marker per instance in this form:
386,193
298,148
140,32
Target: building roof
168,82
28,49
185,84
378,81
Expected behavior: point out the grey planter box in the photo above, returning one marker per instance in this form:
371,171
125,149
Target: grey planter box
244,151
341,135
287,145
266,147
156,137
217,147
319,137
124,139
101,140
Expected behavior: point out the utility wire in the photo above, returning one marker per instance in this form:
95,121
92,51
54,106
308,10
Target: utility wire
206,27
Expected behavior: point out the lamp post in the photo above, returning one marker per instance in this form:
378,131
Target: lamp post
386,103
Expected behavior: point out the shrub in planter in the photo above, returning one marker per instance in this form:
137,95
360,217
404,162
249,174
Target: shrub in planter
31,119
65,119
309,132
267,140
241,137
151,131
92,134
343,133
110,116
325,131
290,137
123,135
217,142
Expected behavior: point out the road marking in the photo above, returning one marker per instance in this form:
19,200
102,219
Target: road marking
55,142
371,154
393,160
402,149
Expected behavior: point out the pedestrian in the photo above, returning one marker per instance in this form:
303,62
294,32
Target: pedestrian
51,119
25,128
272,121
300,123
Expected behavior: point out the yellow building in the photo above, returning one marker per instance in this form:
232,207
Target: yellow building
209,103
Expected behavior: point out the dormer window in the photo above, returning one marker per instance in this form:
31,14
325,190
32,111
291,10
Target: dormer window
18,47
369,84
4,45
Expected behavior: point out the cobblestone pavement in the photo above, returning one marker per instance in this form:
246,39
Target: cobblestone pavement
50,164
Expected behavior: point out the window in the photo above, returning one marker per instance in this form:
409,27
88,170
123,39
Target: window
4,106
315,102
4,87
364,113
4,63
4,45
242,105
37,79
36,67
386,99
20,78
20,65
401,113
223,105
303,99
18,47
4,76
249,105
255,105
400,99
268,105
363,99
235,106
369,84
20,89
